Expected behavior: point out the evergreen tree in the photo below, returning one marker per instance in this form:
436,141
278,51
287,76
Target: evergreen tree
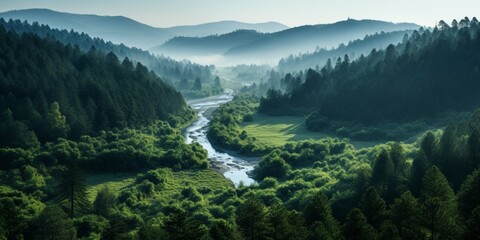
223,230
318,215
197,84
474,149
56,122
438,206
382,172
251,219
54,224
73,189
473,225
104,201
373,207
428,145
469,195
404,212
356,227
417,171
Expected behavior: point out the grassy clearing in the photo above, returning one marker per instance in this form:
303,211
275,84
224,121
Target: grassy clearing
116,182
196,178
277,131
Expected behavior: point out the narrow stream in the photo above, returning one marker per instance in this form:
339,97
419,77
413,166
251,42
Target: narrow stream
234,168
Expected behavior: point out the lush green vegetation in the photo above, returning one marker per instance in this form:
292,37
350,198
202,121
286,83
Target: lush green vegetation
48,90
430,73
354,48
224,129
140,180
275,131
181,75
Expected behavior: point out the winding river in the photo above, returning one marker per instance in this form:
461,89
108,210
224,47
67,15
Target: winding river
233,168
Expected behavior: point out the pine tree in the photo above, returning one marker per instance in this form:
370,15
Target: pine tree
356,227
469,195
223,230
438,206
428,145
473,225
73,189
319,215
404,212
382,172
251,219
417,171
373,207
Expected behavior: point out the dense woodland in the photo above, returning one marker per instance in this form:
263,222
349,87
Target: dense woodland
431,72
354,49
182,75
325,189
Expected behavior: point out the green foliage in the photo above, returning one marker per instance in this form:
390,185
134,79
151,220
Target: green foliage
318,215
397,79
251,219
73,190
469,195
373,207
63,92
357,227
16,211
53,223
104,201
438,206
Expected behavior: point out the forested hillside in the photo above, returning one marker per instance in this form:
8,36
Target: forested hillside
431,72
171,71
354,49
49,90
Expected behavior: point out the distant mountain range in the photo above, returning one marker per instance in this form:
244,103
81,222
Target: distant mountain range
270,47
119,29
220,43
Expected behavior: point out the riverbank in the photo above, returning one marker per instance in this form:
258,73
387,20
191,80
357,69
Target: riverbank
231,165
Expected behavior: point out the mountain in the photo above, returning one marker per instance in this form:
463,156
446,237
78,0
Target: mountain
429,73
225,27
353,49
210,45
307,38
119,29
169,70
270,47
57,90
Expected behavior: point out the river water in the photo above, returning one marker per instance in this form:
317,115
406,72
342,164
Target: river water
234,168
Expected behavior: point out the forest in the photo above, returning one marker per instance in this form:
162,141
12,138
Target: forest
92,144
431,72
180,74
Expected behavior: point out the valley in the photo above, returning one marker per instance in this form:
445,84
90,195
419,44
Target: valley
212,120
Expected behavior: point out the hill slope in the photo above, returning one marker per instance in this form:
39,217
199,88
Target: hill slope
270,47
428,74
57,91
119,29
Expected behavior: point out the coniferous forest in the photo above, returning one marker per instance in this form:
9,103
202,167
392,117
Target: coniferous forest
98,141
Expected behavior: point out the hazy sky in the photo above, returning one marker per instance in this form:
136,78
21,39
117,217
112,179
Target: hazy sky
165,13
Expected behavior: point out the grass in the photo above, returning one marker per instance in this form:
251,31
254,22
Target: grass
116,182
278,131
196,178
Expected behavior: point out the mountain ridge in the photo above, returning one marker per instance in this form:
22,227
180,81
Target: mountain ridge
121,29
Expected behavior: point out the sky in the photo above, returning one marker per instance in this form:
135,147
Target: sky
167,13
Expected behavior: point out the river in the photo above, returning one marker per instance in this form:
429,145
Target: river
233,168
